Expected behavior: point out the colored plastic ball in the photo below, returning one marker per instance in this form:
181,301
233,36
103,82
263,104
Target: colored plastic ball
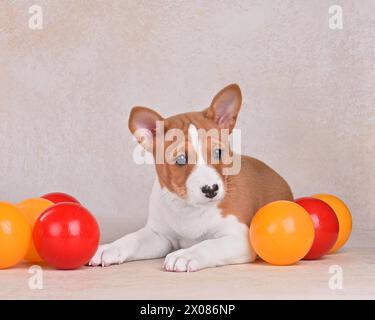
58,197
32,209
66,235
281,232
15,235
325,223
343,215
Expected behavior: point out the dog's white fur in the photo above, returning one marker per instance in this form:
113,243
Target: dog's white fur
191,233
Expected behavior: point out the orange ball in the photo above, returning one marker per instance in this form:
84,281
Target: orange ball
282,232
15,235
343,215
32,209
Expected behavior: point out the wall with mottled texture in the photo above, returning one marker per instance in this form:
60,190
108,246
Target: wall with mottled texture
66,92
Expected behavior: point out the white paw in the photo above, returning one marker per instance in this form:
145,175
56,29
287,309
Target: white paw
107,255
182,261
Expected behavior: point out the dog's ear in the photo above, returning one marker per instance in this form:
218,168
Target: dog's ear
225,107
142,124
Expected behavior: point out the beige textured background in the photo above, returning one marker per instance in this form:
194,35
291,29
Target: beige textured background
66,91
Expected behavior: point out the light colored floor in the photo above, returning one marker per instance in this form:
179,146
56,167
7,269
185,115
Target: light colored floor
146,280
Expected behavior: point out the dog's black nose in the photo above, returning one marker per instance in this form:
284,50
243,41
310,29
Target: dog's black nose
210,191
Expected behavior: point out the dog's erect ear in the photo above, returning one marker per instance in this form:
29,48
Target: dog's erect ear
142,124
225,107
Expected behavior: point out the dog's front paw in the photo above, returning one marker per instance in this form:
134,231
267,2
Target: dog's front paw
107,255
182,261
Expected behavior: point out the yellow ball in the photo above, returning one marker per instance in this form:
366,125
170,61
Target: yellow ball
15,235
282,232
343,215
32,209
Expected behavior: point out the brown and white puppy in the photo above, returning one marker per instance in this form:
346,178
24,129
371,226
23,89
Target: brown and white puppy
200,210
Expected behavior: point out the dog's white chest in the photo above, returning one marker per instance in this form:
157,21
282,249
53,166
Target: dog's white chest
189,224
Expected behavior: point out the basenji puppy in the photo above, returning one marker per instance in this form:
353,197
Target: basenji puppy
200,207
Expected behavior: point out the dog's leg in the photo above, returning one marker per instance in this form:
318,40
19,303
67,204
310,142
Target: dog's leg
231,249
142,244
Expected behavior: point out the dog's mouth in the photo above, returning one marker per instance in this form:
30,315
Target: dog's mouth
211,200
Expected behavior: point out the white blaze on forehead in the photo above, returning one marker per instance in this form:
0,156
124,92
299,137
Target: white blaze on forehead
203,174
194,139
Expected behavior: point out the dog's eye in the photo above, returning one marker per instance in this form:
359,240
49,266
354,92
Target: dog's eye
218,154
181,160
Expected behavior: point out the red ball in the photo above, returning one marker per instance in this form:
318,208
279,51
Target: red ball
66,235
57,197
325,223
